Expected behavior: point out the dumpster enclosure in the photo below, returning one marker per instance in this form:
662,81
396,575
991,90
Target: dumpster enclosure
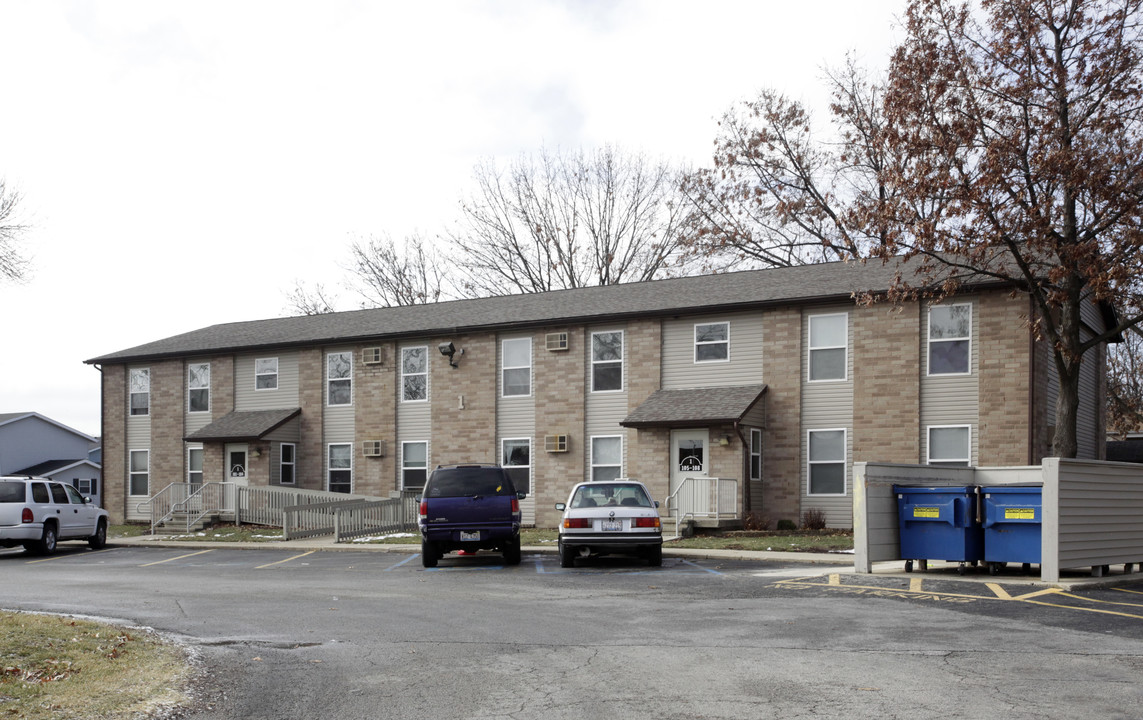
1092,511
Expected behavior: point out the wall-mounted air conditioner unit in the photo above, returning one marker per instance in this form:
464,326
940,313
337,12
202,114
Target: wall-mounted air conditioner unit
556,443
556,341
372,356
373,448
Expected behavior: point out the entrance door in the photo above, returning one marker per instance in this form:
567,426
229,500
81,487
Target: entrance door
237,472
690,458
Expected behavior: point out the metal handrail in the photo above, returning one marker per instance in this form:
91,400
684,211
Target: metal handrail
685,504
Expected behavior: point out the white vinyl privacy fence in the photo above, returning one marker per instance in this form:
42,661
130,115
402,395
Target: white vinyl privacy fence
1092,513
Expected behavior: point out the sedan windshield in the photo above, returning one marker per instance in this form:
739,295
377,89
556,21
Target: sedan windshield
610,495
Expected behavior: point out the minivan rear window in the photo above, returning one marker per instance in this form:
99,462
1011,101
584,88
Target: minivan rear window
467,482
11,492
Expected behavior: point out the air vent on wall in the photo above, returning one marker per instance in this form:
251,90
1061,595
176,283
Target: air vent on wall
556,443
372,356
373,448
556,341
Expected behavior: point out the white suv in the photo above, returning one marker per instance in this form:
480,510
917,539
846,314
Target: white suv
36,512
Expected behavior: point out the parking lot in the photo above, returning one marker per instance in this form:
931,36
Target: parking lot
287,633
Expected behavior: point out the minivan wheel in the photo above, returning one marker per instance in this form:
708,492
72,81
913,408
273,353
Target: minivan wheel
429,554
512,552
47,543
99,539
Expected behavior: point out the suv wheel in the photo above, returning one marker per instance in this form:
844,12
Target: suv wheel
99,539
512,552
429,554
567,556
47,543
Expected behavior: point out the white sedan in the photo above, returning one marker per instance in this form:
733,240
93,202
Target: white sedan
602,518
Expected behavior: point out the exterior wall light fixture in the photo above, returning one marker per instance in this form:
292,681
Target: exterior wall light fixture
448,350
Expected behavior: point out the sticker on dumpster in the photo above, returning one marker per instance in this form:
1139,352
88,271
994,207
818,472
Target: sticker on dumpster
926,512
1019,513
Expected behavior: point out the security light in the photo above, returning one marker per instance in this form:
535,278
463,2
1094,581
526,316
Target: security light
448,350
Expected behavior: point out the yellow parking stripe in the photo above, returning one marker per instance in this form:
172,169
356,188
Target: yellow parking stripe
835,579
180,557
1038,593
915,584
1000,592
1101,602
279,562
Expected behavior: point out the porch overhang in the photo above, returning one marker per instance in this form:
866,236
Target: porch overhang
695,407
241,426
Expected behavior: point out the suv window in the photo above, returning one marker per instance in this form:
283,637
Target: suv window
59,495
469,481
39,493
12,492
73,495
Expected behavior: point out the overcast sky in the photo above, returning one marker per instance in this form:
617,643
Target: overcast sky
183,163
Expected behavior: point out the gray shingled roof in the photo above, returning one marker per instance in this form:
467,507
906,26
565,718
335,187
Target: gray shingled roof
243,425
827,282
695,406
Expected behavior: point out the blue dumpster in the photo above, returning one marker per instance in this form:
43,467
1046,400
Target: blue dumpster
1012,519
938,523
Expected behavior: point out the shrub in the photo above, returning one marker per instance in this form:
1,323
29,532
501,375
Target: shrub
755,521
814,519
785,524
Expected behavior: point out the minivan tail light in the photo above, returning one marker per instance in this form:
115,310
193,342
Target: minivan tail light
651,522
515,505
423,510
577,523
26,516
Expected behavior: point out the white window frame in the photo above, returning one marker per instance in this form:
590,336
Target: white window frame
293,463
425,351
504,459
700,343
191,387
622,354
810,462
505,367
132,472
258,375
965,338
201,469
83,486
329,380
593,465
810,348
755,433
329,469
405,467
132,392
948,462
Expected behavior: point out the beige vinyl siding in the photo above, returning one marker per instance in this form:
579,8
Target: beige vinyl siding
603,411
338,421
285,396
1087,415
679,368
291,432
1099,509
193,421
828,405
951,399
516,418
139,432
414,419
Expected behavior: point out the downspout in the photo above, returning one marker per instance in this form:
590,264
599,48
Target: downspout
745,459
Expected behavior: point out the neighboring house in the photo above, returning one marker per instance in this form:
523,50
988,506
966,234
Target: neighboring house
31,444
772,378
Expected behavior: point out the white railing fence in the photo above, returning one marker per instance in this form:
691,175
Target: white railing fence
700,497
352,518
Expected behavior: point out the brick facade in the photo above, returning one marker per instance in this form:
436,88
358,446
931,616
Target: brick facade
114,440
168,413
375,418
1005,367
311,399
559,392
887,346
782,439
463,400
648,451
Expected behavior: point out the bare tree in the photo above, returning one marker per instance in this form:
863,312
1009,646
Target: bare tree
13,264
303,300
386,275
1125,385
564,220
1006,143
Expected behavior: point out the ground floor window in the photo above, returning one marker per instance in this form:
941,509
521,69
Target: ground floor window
194,466
606,457
827,462
516,458
414,464
138,472
341,467
287,464
950,445
755,454
86,486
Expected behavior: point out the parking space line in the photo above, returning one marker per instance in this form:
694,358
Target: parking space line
1084,609
1133,592
915,584
180,557
1000,592
835,579
279,562
1101,602
411,558
700,567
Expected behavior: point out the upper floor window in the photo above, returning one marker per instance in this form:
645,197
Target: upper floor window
516,370
341,467
198,387
414,373
826,459
339,376
712,342
266,373
950,445
516,458
139,384
950,339
607,361
829,337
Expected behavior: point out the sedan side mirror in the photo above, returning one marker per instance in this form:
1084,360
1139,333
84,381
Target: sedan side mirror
656,503
561,507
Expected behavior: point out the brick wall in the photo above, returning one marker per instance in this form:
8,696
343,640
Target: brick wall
464,401
311,399
781,440
168,408
375,418
1005,380
886,383
559,391
648,451
113,436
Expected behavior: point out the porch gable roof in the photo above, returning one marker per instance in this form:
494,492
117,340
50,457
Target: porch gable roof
243,425
695,407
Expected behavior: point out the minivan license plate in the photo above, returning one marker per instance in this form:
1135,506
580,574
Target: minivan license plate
469,535
612,525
